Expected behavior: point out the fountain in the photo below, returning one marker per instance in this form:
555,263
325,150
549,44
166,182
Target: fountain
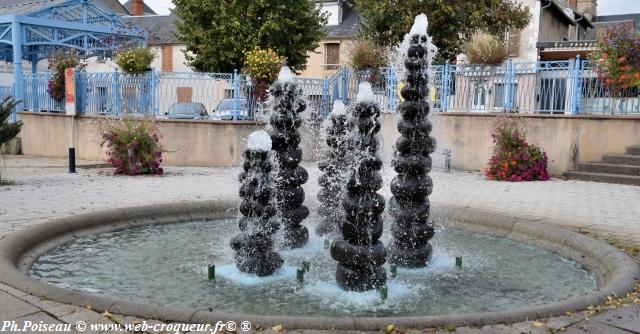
287,104
334,169
360,254
514,268
409,205
254,246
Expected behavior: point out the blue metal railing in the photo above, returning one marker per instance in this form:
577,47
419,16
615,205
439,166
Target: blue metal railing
569,86
36,93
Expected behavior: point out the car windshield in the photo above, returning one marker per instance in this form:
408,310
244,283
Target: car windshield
186,109
229,104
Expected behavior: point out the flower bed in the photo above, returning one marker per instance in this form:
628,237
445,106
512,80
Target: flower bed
133,147
513,158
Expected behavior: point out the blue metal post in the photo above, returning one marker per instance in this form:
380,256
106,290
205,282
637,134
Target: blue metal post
236,95
154,92
325,97
577,87
445,85
16,39
115,84
345,84
48,100
507,85
81,92
35,103
391,88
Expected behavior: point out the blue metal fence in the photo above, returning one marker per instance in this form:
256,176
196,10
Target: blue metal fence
570,86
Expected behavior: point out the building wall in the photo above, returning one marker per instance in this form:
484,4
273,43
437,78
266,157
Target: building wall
317,59
566,139
553,28
528,50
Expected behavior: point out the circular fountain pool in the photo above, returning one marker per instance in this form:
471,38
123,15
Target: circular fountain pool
167,265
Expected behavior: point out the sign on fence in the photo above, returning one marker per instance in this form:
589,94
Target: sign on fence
70,91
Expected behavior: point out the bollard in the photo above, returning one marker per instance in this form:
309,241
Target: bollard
384,292
459,262
72,160
300,275
212,272
394,271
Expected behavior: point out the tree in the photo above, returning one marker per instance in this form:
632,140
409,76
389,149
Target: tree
8,130
451,23
219,32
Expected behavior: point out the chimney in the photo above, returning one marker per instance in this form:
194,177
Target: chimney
137,7
588,8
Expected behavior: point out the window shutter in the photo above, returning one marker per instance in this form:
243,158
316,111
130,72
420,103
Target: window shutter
333,54
513,44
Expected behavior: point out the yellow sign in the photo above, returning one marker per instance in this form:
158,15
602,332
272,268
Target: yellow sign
400,86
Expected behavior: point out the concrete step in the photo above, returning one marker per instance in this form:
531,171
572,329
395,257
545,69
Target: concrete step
598,167
622,159
602,177
633,150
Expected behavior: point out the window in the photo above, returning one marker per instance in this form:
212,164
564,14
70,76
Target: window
332,56
498,95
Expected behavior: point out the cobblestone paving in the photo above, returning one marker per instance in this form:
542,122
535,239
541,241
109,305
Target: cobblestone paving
43,190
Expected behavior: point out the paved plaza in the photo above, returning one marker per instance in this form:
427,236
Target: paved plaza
42,190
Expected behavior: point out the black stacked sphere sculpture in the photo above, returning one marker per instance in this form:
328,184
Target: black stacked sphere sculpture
284,123
335,169
254,246
359,253
409,205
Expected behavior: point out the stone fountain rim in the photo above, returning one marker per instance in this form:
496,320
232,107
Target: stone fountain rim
615,271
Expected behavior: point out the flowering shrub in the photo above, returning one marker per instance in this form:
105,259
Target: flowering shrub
135,60
263,65
513,158
58,62
486,49
133,147
365,55
617,56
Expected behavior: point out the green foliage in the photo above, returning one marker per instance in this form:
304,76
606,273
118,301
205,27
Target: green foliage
450,22
484,48
8,130
58,62
365,54
135,60
217,33
132,146
617,57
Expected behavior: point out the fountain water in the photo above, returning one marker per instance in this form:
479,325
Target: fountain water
254,246
360,253
409,206
334,169
287,104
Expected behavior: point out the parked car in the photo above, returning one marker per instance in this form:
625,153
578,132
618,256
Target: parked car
226,109
186,110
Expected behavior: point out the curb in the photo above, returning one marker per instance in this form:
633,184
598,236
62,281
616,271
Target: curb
616,273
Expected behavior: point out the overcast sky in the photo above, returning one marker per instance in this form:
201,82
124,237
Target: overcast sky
605,7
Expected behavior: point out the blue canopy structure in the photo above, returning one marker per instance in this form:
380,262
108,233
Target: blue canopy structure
33,29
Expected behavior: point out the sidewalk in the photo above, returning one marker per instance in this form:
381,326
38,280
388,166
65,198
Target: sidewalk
44,190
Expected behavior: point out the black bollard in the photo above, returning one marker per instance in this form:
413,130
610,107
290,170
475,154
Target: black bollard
72,159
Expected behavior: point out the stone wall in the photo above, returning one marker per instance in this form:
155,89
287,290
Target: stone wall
566,139
186,142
